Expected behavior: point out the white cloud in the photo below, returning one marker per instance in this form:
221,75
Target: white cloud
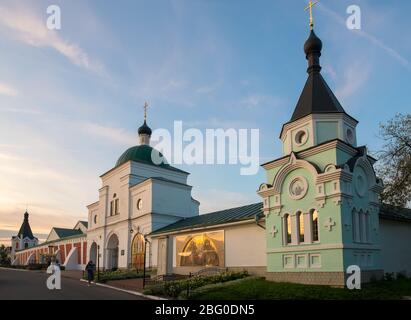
33,31
116,135
257,100
8,90
210,88
354,77
217,199
371,38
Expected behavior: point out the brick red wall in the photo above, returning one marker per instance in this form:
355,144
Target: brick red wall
78,246
62,254
68,248
84,252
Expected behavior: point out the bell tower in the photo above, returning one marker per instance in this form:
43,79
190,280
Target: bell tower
321,197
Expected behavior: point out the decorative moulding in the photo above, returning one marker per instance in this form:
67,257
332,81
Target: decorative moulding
298,188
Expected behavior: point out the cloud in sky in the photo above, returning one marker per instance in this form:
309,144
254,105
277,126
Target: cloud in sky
32,30
354,77
112,134
371,38
218,199
8,90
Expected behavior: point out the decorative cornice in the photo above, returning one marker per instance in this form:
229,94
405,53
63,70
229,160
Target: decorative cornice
315,247
339,174
312,117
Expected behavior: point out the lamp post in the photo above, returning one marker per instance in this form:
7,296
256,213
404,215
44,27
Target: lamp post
98,263
144,266
50,253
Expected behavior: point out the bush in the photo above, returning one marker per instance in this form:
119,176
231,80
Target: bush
118,275
37,266
389,276
155,290
215,286
174,288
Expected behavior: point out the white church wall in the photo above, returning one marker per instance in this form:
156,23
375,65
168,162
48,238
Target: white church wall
141,192
52,236
153,254
71,260
172,199
94,219
245,246
395,241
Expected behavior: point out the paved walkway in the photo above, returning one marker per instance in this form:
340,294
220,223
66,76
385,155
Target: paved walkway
31,285
127,284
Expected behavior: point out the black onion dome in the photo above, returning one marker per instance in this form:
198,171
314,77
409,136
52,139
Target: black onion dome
313,45
144,129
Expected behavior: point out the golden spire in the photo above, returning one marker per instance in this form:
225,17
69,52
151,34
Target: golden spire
145,110
310,6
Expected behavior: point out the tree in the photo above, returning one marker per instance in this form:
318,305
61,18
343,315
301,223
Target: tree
4,259
394,167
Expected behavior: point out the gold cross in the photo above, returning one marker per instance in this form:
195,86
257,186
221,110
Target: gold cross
145,110
310,8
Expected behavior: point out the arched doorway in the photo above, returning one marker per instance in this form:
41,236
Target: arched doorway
112,252
93,253
137,252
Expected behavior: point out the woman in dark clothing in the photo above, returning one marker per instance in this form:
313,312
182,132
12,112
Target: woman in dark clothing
90,268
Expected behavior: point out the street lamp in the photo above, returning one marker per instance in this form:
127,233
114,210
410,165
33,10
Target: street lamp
98,263
144,266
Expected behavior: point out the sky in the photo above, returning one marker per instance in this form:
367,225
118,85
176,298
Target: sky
71,99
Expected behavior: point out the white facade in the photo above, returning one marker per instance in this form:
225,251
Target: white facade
148,197
244,248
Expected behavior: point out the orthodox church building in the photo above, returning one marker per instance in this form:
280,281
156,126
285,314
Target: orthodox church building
136,197
24,238
320,211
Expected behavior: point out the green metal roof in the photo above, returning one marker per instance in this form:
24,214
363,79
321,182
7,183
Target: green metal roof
248,212
63,233
214,218
144,154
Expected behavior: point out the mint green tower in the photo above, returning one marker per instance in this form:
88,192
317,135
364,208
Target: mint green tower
321,197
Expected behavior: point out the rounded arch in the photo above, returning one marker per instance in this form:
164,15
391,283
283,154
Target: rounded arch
292,165
200,250
364,164
112,251
137,251
93,253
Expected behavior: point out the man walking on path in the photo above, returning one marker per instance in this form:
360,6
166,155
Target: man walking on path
90,268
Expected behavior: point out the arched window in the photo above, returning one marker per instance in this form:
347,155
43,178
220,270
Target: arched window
354,225
367,227
287,228
300,219
361,225
314,225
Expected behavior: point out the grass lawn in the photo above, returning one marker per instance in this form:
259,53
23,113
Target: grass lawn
260,289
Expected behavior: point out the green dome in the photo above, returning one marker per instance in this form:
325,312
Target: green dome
142,154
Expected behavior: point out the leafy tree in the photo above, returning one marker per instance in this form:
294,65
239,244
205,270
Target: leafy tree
4,259
394,167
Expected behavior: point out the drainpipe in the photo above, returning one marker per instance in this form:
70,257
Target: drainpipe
258,218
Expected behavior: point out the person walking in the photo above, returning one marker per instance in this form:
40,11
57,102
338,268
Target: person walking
90,269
